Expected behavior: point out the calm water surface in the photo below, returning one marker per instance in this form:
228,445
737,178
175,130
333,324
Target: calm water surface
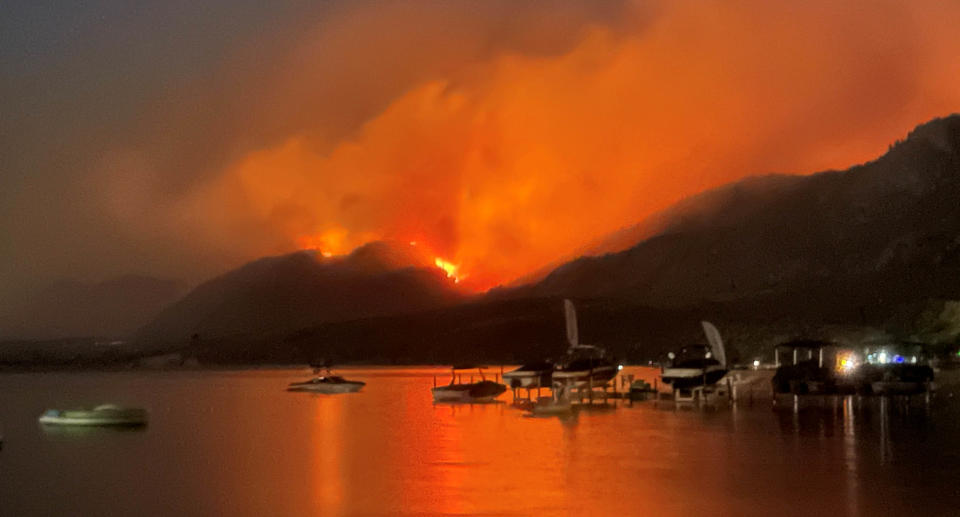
235,443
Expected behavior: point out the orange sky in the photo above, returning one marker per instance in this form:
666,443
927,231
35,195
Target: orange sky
510,160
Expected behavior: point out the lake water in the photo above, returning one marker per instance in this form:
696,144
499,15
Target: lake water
237,444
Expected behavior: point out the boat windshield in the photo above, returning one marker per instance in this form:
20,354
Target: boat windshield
695,356
536,366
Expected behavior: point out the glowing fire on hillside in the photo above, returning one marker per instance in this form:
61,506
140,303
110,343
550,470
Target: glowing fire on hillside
452,270
523,160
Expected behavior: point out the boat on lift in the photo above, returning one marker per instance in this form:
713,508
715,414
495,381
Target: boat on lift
583,365
697,365
483,390
530,375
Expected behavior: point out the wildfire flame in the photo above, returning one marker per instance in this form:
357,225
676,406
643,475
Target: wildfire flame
452,270
517,161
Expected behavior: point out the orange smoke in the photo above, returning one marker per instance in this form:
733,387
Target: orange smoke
506,165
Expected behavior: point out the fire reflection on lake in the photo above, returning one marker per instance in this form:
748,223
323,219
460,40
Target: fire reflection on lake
236,443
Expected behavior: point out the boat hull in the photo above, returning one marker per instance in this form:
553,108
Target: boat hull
484,391
346,387
898,388
527,379
582,378
77,417
686,378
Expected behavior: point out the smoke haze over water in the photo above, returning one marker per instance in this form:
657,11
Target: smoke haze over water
498,136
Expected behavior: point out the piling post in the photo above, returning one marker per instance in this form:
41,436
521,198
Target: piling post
590,387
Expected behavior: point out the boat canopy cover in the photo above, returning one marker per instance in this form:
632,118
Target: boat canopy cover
716,342
814,344
584,348
585,363
570,312
536,366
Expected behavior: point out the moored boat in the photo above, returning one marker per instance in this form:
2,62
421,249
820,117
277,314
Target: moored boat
583,365
815,367
697,365
457,391
329,384
897,369
530,375
104,415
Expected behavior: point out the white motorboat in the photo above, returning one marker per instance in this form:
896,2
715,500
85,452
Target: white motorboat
697,365
330,384
530,375
457,391
105,415
584,365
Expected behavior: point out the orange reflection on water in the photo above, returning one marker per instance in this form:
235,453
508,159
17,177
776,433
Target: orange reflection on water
390,450
236,443
327,444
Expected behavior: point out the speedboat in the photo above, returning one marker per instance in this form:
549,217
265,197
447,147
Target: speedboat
457,391
105,415
698,365
530,375
330,384
583,365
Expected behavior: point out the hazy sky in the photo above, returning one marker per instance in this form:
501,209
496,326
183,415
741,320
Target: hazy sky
180,139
